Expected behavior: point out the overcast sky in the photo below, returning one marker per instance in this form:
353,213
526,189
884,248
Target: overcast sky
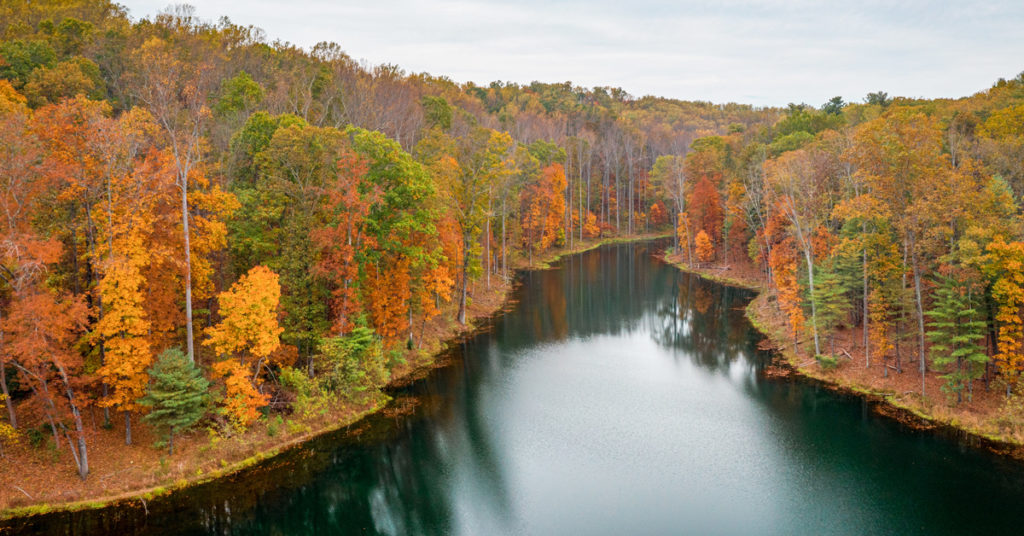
763,53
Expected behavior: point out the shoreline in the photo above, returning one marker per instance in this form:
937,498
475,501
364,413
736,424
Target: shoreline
910,413
414,373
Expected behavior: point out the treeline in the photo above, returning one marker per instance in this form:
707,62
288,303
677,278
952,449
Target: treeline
200,225
897,220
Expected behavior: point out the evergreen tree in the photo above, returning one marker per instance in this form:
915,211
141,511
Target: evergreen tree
832,303
956,330
177,396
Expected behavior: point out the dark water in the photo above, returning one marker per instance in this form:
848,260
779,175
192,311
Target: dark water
618,397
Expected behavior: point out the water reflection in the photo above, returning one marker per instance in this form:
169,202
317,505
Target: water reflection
619,396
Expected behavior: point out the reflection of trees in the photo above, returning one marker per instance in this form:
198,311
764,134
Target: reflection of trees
397,475
702,321
602,292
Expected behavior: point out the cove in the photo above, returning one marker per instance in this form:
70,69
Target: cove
617,396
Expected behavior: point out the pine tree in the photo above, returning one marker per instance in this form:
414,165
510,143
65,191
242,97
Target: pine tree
178,394
956,330
833,305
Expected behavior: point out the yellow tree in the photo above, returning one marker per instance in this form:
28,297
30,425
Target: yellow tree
246,336
900,159
467,169
125,331
175,90
1005,267
124,230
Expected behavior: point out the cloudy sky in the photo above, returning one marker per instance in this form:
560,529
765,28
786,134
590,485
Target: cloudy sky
764,53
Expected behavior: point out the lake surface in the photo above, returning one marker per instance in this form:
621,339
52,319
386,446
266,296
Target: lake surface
619,396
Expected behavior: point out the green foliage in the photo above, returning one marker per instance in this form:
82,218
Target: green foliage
437,112
21,57
178,393
831,302
827,362
71,36
791,142
834,106
547,152
404,210
353,364
274,426
309,400
956,330
879,98
803,119
69,78
238,94
251,139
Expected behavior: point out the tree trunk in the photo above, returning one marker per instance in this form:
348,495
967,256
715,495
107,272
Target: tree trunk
867,350
50,411
188,269
487,245
920,315
95,276
82,456
127,428
465,276
504,258
809,256
3,385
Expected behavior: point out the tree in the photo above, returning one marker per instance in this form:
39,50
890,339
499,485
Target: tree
125,330
242,401
248,326
879,98
352,364
684,233
175,93
834,106
42,326
669,182
245,337
784,266
900,157
344,238
178,395
704,208
705,249
402,222
1005,268
956,332
833,305
801,195
543,205
466,168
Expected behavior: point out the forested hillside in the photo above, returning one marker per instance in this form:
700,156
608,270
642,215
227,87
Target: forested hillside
898,218
204,228
207,229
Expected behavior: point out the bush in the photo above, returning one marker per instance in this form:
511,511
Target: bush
352,364
827,362
274,426
308,397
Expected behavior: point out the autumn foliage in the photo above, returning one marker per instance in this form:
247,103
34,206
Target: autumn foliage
280,213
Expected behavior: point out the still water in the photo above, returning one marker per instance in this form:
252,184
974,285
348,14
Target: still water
619,396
